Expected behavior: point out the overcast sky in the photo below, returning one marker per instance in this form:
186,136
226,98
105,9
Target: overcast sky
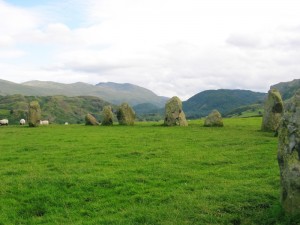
172,47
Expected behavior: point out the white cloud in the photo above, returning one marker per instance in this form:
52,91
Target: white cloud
8,54
177,47
6,41
15,20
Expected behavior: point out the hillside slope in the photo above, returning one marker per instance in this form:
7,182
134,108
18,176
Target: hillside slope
136,94
287,89
223,100
148,111
111,92
56,109
10,88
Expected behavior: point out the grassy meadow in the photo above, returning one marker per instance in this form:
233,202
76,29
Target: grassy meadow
144,174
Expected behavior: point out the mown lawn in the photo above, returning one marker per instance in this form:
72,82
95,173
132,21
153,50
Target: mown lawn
145,174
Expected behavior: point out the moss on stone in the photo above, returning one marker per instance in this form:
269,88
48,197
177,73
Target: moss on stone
107,116
125,115
273,110
91,120
174,115
34,114
289,156
214,119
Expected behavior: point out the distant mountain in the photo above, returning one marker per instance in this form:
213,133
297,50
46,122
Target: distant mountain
223,100
136,94
118,86
146,108
10,88
148,111
287,89
111,92
56,109
254,110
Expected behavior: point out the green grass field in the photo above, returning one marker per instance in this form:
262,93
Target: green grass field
145,174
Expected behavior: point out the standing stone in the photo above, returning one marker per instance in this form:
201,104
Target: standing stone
174,114
90,120
107,116
273,111
214,119
34,114
289,156
125,115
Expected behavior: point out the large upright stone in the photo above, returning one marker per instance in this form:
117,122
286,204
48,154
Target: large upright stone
125,115
214,119
174,114
90,120
34,114
289,156
273,111
107,116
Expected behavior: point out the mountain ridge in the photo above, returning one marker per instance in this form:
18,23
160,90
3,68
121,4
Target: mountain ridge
224,100
287,89
146,103
115,93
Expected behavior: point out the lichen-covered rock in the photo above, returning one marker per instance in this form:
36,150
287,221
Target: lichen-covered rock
107,116
90,120
174,114
289,156
214,119
125,115
273,111
34,114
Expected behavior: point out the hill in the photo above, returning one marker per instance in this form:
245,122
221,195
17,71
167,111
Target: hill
111,92
254,110
148,111
57,109
223,100
10,88
287,89
130,93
